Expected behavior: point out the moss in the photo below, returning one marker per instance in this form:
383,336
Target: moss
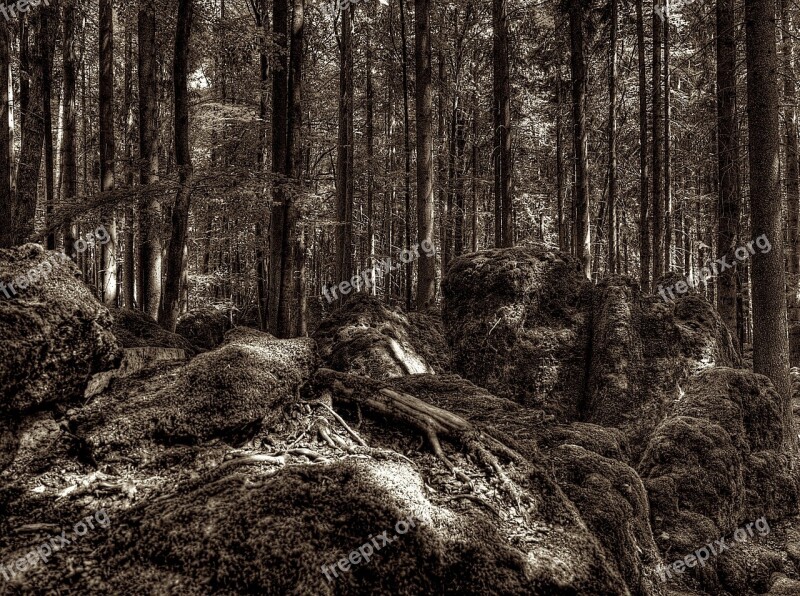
136,329
204,327
516,322
368,338
55,334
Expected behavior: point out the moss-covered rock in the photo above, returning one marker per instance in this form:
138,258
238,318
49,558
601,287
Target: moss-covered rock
366,337
716,461
136,329
55,334
204,327
231,391
516,321
613,503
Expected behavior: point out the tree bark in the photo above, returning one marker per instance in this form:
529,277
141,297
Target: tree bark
792,170
583,241
6,198
176,252
149,209
344,154
426,283
770,333
502,122
668,224
644,182
106,96
658,132
727,160
611,210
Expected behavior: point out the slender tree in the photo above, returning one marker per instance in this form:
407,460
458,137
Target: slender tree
611,209
644,182
658,133
727,160
583,241
106,97
6,199
504,231
426,283
149,208
176,253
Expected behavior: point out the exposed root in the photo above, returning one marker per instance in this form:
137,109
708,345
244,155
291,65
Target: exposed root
253,459
476,499
434,423
341,421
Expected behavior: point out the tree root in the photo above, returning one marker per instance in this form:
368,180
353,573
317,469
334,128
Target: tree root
433,422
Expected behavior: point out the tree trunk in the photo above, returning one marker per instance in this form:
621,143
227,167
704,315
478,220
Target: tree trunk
792,170
611,210
106,95
176,260
6,199
583,241
280,159
668,224
370,163
727,159
149,208
129,276
49,26
658,131
426,283
502,122
644,183
32,118
409,269
262,22
344,165
770,333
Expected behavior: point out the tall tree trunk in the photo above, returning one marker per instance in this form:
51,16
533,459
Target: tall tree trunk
176,252
792,170
262,22
129,276
49,20
560,169
294,251
344,154
370,162
68,149
502,122
658,132
106,95
32,49
149,208
426,283
770,333
727,160
611,210
644,182
409,269
280,155
668,223
6,199
583,240
460,144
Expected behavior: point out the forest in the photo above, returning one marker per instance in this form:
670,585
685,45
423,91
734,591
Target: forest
405,297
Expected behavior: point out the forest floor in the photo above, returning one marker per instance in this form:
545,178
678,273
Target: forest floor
548,437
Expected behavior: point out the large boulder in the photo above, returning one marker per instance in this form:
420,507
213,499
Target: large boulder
228,393
368,338
717,461
55,334
517,323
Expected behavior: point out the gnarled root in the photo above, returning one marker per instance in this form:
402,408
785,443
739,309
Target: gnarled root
433,422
